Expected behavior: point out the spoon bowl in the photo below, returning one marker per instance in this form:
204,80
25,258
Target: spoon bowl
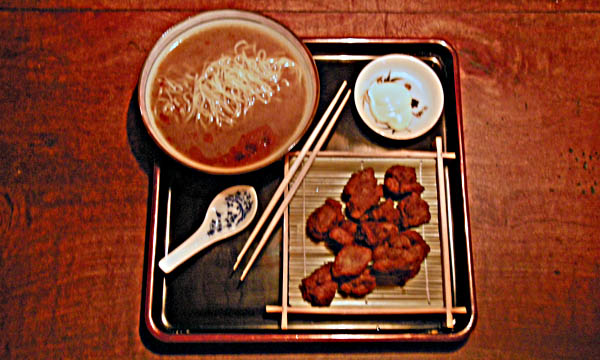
230,212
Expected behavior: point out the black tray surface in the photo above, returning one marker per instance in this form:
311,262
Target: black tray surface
203,296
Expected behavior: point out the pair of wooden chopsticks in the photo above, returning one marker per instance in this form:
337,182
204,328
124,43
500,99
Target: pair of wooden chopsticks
288,178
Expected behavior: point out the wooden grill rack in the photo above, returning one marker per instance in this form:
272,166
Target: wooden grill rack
448,310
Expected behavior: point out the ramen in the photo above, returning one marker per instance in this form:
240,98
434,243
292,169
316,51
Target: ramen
230,94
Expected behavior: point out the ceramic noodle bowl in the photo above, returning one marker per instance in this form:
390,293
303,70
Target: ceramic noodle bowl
228,92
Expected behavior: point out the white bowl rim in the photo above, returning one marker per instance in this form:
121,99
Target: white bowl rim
190,23
397,60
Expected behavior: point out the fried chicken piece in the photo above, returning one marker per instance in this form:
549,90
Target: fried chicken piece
344,234
319,288
359,286
414,211
351,261
323,219
400,180
339,236
384,211
350,226
361,192
376,233
401,255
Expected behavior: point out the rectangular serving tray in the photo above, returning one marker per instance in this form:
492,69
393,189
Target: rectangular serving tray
204,302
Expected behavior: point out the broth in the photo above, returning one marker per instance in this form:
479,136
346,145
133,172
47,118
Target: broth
261,128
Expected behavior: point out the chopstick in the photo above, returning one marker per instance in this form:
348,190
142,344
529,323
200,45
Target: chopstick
287,179
295,186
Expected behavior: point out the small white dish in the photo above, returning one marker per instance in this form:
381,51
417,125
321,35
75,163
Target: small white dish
422,83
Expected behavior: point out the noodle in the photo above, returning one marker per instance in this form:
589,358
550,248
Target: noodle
226,89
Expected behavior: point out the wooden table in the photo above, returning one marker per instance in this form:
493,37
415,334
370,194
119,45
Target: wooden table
74,182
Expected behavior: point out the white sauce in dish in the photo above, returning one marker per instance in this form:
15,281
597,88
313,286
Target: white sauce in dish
390,103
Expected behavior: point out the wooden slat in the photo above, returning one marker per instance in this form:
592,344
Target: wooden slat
443,217
326,179
276,309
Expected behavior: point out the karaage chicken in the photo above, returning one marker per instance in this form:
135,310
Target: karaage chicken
319,288
323,219
400,180
414,211
359,286
351,261
401,255
361,192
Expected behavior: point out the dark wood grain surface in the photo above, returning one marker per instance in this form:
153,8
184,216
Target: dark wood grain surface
75,170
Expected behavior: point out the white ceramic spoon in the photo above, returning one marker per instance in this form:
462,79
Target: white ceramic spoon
230,212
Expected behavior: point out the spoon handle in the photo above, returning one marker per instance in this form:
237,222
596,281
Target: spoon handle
190,247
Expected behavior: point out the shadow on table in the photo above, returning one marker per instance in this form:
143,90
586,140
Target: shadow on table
142,146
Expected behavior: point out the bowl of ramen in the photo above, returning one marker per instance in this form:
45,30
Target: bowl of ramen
228,91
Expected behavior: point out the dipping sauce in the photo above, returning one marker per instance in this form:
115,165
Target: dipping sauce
399,96
390,103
